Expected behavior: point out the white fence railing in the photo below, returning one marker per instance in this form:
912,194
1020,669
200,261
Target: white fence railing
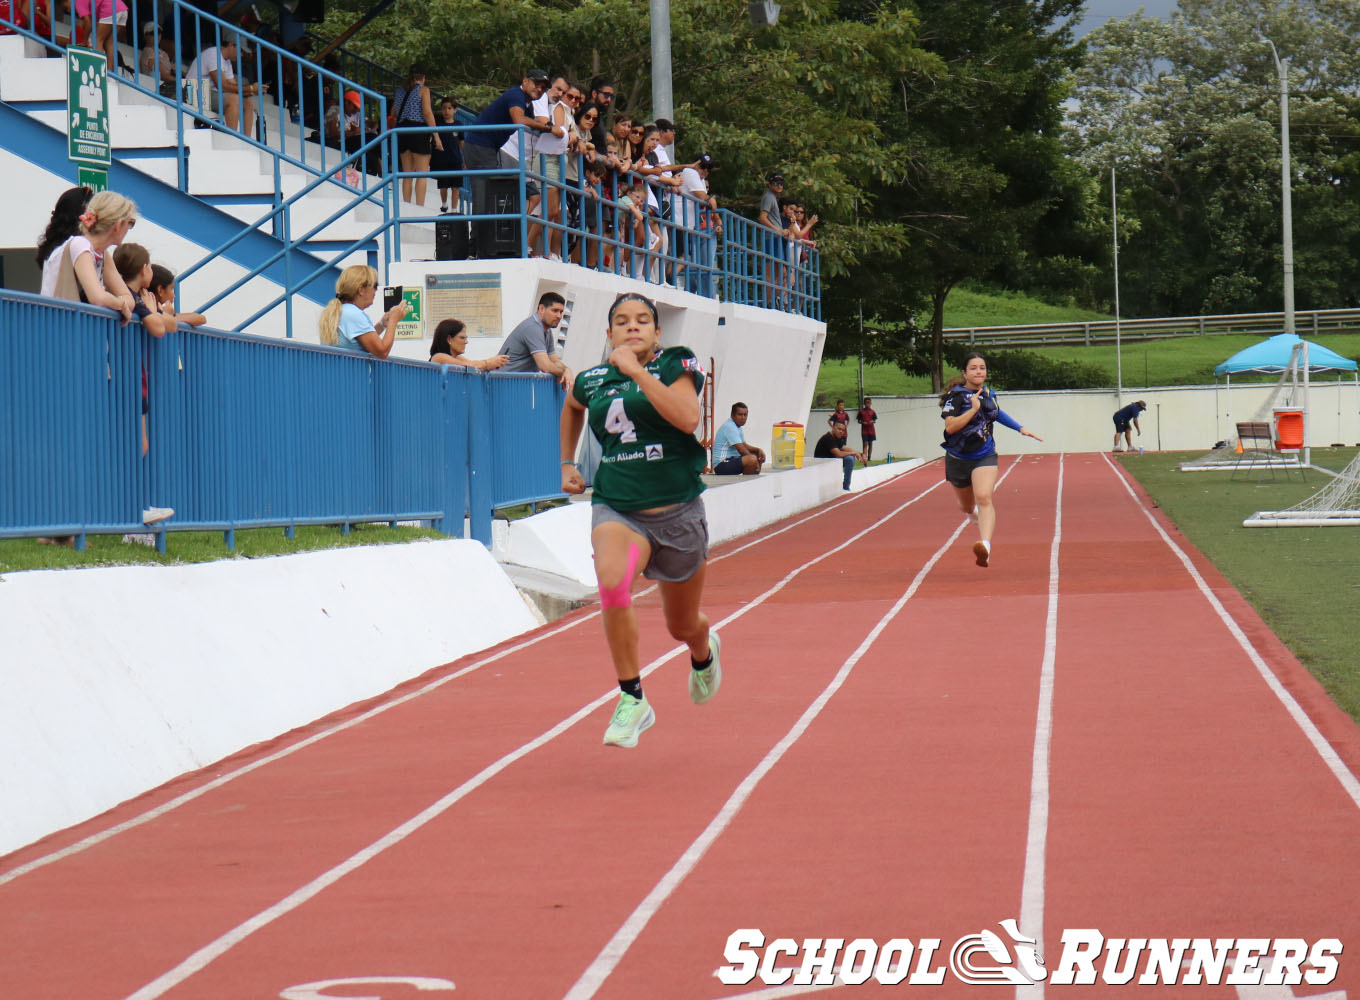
1309,323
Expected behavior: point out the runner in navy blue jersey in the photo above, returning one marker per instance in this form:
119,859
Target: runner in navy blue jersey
969,409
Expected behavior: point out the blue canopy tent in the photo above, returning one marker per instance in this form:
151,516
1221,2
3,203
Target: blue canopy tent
1276,355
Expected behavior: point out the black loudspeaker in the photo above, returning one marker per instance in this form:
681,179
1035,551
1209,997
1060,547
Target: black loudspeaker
500,237
452,241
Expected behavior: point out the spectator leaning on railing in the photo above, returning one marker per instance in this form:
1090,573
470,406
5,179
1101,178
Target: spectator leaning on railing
602,96
75,270
774,246
481,149
344,323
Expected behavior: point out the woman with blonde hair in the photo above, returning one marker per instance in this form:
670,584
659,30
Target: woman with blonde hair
343,322
75,270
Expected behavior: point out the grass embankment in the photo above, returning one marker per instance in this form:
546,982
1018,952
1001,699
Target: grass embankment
1301,581
198,546
1176,361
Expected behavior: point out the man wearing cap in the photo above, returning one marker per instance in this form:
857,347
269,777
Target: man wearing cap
699,216
776,243
481,148
213,71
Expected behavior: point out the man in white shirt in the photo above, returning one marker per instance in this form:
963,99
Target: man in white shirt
510,150
213,71
698,214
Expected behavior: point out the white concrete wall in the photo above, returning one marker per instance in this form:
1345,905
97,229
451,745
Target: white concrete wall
118,679
1189,418
767,360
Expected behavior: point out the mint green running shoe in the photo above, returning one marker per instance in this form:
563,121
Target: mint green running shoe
631,717
704,684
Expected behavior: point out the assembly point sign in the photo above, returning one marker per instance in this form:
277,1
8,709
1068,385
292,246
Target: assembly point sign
87,107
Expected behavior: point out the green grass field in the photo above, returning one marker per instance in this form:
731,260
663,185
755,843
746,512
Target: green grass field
1302,581
198,546
1176,361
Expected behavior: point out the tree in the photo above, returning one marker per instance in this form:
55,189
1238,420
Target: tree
805,97
1187,111
984,181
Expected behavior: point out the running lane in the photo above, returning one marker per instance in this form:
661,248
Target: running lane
1187,801
142,900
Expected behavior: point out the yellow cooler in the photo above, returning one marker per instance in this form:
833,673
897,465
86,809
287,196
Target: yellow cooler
786,445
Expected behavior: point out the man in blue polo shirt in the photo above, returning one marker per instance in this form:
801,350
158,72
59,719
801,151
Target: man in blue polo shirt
732,456
481,149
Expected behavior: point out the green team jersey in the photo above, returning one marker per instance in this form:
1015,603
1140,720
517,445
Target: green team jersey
647,461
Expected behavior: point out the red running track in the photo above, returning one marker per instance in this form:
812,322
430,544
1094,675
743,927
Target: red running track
1097,732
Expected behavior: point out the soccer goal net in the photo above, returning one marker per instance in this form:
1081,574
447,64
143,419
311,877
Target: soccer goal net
1336,504
1287,391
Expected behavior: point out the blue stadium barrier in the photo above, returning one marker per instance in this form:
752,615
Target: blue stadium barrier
252,432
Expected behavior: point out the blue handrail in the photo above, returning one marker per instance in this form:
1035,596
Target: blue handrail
252,431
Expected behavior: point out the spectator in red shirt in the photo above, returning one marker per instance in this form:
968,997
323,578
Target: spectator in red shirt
867,435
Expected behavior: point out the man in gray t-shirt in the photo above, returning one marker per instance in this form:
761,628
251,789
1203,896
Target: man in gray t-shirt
774,246
531,346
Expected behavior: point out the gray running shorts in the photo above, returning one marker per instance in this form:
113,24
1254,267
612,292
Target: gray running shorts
959,471
678,536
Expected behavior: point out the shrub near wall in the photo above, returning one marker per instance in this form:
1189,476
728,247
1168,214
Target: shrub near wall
1026,370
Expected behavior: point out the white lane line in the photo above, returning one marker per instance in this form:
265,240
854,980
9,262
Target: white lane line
1324,749
612,953
219,947
1036,839
142,819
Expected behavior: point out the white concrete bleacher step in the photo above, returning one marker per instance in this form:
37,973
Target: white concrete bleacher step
220,165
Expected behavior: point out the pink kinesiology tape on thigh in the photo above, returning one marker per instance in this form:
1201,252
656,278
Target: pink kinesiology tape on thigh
620,595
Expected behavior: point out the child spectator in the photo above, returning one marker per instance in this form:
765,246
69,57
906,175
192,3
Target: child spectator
163,288
449,156
134,266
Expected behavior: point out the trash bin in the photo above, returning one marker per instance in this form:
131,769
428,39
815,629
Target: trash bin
1288,428
786,445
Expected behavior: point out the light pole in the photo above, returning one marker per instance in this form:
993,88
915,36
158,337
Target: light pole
1287,224
663,101
1118,352
1282,67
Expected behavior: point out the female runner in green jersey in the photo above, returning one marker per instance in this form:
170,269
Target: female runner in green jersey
647,517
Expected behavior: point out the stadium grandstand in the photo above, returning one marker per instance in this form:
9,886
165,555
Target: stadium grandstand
242,191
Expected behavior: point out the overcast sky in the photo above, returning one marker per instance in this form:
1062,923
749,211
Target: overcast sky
1100,11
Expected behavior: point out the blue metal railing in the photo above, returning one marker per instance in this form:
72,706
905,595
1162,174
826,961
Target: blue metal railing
680,242
279,129
252,432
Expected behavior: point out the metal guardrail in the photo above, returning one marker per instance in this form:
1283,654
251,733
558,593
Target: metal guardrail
252,431
1309,322
714,254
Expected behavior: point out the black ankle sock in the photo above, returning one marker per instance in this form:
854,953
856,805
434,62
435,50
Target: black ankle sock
633,687
701,666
